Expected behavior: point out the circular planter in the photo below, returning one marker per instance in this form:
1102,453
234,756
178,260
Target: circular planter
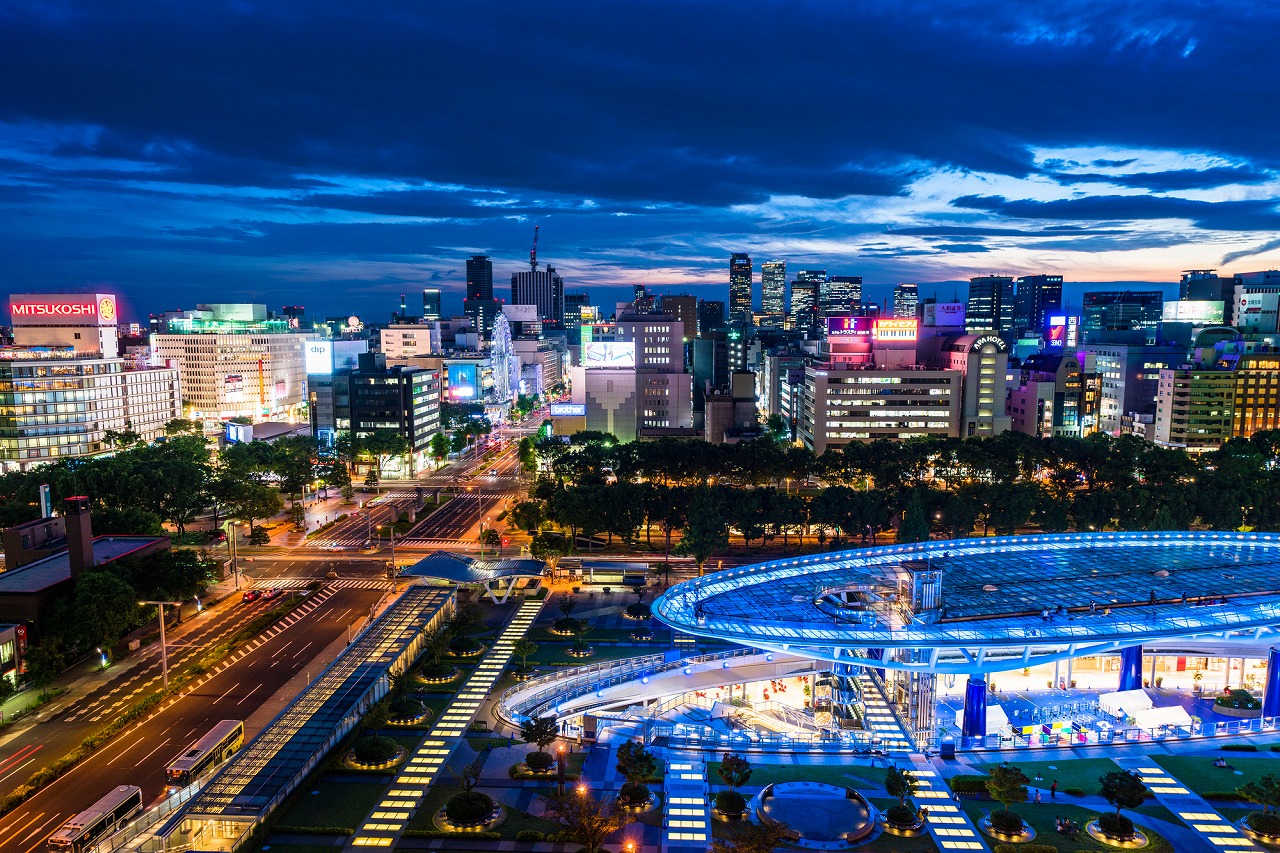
639,617
581,653
905,830
727,817
560,633
647,806
1238,713
1260,837
1027,833
523,676
467,655
440,679
405,722
353,763
497,816
642,635
1135,842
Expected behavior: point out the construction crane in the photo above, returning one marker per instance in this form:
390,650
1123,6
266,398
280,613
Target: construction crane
533,253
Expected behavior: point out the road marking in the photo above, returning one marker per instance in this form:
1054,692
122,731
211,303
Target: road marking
159,746
303,649
24,753
282,648
126,749
19,767
28,823
250,693
229,689
38,832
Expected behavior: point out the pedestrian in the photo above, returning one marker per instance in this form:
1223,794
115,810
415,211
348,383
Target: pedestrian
1053,790
1037,797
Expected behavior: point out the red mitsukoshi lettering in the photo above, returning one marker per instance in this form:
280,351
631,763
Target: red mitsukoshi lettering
53,309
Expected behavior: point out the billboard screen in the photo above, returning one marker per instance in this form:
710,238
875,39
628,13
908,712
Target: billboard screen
568,410
894,329
945,314
464,382
1199,312
1056,334
609,354
319,358
98,309
848,327
1257,311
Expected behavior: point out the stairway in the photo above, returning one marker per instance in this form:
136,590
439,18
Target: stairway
880,719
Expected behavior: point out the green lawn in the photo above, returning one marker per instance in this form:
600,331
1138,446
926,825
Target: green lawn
1198,773
858,776
1070,773
1041,818
549,655
332,804
516,820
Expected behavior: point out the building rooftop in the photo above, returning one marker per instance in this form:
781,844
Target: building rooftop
457,568
45,573
1019,599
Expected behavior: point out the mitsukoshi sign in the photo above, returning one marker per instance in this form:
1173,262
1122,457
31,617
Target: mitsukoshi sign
97,309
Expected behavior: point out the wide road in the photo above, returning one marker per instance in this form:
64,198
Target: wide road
139,755
74,717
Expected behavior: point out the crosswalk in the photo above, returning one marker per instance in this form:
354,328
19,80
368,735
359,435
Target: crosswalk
339,583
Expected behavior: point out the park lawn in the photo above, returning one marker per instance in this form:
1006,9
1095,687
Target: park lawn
1041,818
516,820
572,768
549,655
1198,773
336,805
1071,772
832,774
285,845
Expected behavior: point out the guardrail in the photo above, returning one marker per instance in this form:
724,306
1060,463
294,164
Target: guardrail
140,828
706,738
534,697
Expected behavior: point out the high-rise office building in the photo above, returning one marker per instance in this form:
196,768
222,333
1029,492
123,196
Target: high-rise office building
574,303
773,287
990,306
431,303
710,316
685,309
543,288
905,298
1115,316
740,275
1038,298
479,303
839,294
805,311
1205,286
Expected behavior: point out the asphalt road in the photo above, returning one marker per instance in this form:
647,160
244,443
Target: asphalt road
139,755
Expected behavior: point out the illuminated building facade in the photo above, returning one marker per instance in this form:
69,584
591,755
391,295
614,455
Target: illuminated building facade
740,275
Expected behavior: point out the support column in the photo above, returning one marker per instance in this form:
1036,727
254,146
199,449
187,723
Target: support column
1152,679
1131,668
1271,693
1070,661
975,707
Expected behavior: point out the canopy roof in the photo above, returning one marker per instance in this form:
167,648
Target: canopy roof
459,568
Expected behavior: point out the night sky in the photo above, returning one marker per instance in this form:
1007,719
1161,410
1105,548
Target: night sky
338,154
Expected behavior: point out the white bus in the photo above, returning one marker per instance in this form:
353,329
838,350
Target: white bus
222,741
101,819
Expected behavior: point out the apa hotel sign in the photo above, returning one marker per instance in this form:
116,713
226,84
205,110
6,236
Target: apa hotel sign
95,309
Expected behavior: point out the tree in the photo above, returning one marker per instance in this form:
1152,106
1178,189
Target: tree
901,784
382,445
469,776
528,515
1123,789
586,819
915,521
541,731
748,837
522,648
439,447
1007,785
104,607
550,548
1265,792
734,771
489,538
705,528
182,426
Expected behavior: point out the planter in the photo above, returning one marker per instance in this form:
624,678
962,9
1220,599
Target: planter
642,635
354,763
440,679
727,817
1238,713
1260,837
1027,833
523,676
1133,842
581,653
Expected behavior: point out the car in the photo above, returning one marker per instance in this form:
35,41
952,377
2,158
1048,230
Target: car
493,473
274,592
252,594
333,576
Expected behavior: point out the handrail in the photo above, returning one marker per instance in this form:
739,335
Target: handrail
580,681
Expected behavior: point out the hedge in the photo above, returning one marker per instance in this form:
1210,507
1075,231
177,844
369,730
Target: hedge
435,833
1240,747
1025,848
314,830
968,784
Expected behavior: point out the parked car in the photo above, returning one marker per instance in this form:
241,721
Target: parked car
274,592
252,594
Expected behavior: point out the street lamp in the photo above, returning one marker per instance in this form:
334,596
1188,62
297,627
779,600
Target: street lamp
560,767
164,651
230,528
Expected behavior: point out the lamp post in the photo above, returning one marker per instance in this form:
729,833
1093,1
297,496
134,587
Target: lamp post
164,651
560,768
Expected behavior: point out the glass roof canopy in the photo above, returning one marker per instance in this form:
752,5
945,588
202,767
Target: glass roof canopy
1029,598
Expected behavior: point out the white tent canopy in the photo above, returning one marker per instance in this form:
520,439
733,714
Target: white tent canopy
1174,715
1126,702
997,719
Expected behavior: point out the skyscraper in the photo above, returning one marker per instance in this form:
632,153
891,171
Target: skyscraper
840,294
1038,298
573,305
773,287
990,307
905,298
430,303
479,303
805,294
684,308
543,288
740,275
1109,314
710,316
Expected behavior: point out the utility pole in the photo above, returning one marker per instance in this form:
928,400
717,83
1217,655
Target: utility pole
164,651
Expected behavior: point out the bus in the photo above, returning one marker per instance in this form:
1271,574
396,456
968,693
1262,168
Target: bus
222,741
108,815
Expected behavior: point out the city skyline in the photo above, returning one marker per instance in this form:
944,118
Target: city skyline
281,151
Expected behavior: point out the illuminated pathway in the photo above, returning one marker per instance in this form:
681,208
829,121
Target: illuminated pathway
404,796
686,819
1218,832
948,824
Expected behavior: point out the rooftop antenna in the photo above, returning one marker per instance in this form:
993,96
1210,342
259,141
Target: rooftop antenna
533,252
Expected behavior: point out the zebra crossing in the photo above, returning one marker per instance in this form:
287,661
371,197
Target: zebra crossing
339,583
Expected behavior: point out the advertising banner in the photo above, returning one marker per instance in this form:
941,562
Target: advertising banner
848,327
319,358
609,354
568,410
944,314
97,309
894,329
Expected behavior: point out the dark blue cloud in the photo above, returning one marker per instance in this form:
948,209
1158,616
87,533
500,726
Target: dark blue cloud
269,146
